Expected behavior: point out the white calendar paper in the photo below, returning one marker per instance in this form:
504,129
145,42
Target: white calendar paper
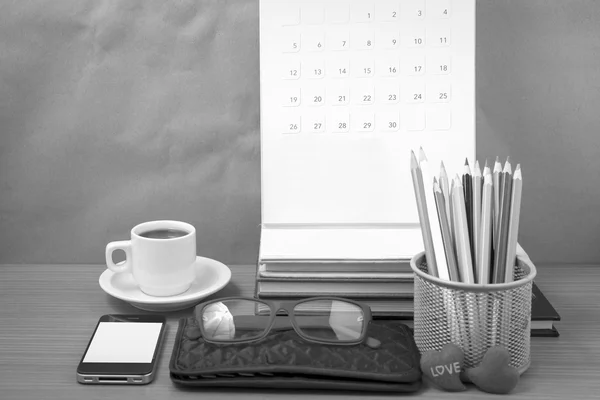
348,89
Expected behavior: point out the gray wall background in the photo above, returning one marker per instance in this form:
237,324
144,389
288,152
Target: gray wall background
117,112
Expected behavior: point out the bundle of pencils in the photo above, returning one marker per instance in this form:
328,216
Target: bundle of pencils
469,224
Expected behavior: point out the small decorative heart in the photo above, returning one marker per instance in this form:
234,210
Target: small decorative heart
494,374
444,367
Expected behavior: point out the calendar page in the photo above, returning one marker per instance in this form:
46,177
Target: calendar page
348,89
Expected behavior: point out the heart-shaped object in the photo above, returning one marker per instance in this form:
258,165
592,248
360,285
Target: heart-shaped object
444,367
494,374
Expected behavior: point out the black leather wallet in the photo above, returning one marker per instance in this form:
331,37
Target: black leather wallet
284,360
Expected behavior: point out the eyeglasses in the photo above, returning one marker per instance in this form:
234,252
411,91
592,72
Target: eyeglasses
324,320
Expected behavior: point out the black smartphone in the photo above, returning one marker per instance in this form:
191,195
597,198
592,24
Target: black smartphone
123,350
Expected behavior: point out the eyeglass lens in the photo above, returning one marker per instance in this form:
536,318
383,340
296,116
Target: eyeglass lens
235,320
331,320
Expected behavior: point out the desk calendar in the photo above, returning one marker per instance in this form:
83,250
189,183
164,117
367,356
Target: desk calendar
348,89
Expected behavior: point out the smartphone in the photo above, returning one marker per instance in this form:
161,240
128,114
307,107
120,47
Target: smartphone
123,350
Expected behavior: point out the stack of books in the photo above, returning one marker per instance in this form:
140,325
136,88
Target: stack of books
370,264
386,286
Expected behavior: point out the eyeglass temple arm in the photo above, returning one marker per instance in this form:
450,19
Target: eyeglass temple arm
284,323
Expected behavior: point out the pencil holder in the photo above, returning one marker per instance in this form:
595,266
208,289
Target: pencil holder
474,317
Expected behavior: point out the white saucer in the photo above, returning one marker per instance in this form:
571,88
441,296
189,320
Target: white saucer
211,276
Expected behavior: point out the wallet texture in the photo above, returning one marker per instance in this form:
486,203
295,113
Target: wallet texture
284,360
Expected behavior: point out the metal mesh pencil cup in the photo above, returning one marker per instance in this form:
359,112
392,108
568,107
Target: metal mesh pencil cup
474,317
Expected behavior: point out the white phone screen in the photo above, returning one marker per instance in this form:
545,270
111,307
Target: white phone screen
123,342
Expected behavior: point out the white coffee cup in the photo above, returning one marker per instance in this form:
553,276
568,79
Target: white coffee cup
160,256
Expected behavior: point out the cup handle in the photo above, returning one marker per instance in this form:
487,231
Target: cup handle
124,245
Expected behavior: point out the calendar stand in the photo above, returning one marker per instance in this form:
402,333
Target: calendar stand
348,89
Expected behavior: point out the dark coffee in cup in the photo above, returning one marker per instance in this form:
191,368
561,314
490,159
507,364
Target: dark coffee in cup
164,234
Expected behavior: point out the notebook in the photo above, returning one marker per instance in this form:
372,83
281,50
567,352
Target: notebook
335,269
376,289
543,315
347,89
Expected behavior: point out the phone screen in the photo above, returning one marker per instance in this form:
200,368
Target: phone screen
123,342
124,348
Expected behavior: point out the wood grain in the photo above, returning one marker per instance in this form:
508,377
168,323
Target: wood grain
49,311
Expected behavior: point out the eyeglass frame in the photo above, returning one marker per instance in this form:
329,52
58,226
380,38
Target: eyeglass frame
289,306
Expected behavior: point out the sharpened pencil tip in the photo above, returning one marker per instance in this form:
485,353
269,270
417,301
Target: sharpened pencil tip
422,156
413,160
497,159
518,174
443,173
458,181
466,161
487,180
486,169
466,169
497,166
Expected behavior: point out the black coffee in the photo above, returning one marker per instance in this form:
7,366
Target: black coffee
163,234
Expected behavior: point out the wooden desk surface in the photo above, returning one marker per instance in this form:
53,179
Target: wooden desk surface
49,311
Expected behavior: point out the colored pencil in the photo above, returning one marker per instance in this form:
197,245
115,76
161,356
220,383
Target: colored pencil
467,181
485,235
497,171
461,234
419,190
436,234
445,229
486,171
476,212
503,221
513,228
444,186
